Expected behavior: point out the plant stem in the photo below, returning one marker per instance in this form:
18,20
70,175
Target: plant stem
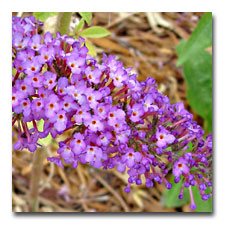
63,22
37,167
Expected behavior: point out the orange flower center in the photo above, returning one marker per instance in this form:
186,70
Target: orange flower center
35,79
23,88
111,115
60,117
38,103
25,104
161,136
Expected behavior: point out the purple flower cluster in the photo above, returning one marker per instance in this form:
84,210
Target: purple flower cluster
117,121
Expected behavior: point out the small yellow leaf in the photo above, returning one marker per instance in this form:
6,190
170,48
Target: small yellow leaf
91,49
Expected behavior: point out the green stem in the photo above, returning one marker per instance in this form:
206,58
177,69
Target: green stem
37,167
63,22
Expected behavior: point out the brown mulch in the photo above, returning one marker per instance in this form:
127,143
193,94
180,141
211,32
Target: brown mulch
152,52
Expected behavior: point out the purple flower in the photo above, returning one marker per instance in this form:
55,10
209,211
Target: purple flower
164,137
180,167
51,107
68,104
61,121
92,97
37,105
82,115
93,76
19,42
148,104
115,115
25,55
94,124
46,54
104,139
136,112
93,156
75,63
62,85
35,80
131,157
102,110
66,153
32,66
50,80
119,76
35,42
24,88
77,93
78,144
24,107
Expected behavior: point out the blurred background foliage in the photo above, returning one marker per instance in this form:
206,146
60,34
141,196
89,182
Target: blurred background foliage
173,48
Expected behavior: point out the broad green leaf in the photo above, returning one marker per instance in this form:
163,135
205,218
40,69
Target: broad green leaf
180,47
79,26
170,198
202,206
42,16
87,16
91,48
200,39
94,32
198,75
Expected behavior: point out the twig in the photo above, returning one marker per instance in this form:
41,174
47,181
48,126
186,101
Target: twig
111,190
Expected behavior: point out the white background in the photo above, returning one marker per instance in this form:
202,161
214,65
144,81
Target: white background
216,6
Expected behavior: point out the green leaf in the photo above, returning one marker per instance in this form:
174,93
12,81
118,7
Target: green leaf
198,75
202,206
87,16
79,26
47,140
91,48
200,39
170,198
94,32
14,71
42,16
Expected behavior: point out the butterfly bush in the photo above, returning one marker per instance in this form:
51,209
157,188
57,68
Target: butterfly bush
116,121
